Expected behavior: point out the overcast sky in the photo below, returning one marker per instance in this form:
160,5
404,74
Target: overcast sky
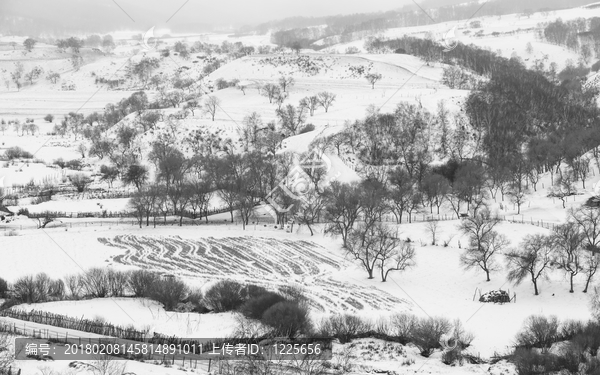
143,14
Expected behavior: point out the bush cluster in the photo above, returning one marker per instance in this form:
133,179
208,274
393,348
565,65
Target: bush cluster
424,333
17,153
101,283
73,164
3,288
578,356
285,312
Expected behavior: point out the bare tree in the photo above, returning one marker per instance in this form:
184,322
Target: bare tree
286,82
280,97
432,227
44,220
310,102
80,181
270,91
396,255
588,220
563,187
377,246
595,303
211,105
326,99
373,78
291,118
29,43
342,209
533,260
242,87
53,76
567,242
591,265
361,245
311,210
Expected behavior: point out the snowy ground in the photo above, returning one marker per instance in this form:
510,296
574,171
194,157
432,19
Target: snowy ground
438,286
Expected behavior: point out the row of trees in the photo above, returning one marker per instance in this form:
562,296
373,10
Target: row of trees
572,248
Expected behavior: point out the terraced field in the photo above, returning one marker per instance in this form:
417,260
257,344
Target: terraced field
261,261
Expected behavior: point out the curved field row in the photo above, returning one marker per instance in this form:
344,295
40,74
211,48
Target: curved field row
262,261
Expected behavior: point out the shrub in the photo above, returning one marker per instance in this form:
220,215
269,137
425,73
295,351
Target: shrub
60,163
528,362
255,307
56,290
117,282
23,211
293,293
80,181
570,329
196,299
221,84
40,199
595,303
9,303
253,291
95,283
307,128
538,331
426,334
287,319
73,286
49,118
17,153
141,281
402,325
73,164
3,288
25,289
345,327
589,339
226,295
169,292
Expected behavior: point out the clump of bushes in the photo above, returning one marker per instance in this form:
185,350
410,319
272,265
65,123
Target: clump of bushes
225,295
288,319
307,128
425,333
17,153
73,164
3,288
578,355
38,288
221,83
101,283
255,307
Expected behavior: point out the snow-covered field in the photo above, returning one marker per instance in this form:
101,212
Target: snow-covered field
262,254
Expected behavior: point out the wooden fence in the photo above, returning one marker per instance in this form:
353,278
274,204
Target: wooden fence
84,325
